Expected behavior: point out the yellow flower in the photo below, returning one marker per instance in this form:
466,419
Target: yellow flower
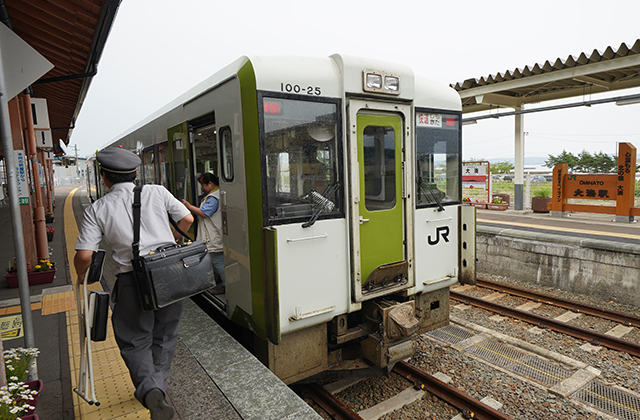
38,267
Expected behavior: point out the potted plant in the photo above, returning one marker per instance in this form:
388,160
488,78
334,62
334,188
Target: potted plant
541,197
49,217
497,204
19,398
44,272
506,198
50,232
466,201
479,205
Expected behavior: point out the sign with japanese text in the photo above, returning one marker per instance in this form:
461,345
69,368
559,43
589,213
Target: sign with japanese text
619,187
429,120
475,177
11,327
23,181
590,187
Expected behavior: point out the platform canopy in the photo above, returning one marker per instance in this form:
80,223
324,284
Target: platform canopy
598,72
71,34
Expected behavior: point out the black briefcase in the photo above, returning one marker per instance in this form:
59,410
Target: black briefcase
169,273
173,273
99,307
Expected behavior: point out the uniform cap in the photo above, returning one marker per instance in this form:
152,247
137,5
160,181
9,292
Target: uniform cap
120,161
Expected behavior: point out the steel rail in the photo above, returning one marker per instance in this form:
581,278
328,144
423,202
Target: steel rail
555,325
625,319
335,408
470,407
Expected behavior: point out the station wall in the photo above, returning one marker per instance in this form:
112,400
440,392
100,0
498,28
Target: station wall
608,270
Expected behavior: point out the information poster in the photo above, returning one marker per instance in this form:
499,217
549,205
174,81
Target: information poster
23,182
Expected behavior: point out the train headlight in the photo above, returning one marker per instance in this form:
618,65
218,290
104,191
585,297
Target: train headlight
392,83
381,82
374,81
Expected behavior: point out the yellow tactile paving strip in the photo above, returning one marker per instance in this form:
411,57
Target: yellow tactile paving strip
35,306
58,302
114,389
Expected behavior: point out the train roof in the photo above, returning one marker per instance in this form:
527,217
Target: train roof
340,75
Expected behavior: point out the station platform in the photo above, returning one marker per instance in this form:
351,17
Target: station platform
212,376
580,225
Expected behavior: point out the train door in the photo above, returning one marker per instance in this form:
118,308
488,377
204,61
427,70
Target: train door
148,165
162,163
378,180
205,150
180,183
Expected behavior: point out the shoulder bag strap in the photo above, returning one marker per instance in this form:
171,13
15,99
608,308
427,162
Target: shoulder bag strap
136,221
175,226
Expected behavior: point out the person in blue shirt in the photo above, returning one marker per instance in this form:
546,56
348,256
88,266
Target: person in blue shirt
210,224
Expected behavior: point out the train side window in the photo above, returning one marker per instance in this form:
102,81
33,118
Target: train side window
301,159
162,167
227,153
438,138
379,154
148,165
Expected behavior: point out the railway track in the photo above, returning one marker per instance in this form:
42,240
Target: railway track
592,337
469,407
625,319
565,380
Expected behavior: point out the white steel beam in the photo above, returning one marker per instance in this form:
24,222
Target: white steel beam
593,81
499,100
550,77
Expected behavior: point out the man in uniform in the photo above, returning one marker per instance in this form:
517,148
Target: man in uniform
147,339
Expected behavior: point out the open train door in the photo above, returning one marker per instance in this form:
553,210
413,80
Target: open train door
378,152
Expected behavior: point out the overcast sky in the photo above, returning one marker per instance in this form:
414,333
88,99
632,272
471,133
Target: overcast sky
158,49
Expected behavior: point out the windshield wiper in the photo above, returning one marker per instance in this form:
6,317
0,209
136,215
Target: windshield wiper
322,202
420,184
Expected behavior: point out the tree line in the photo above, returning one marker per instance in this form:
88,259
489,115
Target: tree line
585,162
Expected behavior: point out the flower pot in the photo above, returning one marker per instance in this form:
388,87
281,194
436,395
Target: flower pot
492,206
506,198
479,205
36,386
35,277
539,204
49,219
49,236
30,417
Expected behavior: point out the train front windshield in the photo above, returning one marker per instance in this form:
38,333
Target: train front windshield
300,160
437,158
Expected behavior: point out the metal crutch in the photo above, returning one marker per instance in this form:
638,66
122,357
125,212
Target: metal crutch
86,309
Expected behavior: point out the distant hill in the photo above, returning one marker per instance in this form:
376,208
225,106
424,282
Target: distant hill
527,160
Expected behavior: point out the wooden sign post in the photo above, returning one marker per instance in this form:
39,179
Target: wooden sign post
618,187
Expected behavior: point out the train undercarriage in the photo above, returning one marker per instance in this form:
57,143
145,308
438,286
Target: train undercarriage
361,344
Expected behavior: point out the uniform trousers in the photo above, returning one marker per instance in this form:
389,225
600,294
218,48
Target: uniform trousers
147,339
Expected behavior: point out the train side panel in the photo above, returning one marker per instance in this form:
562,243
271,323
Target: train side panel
313,273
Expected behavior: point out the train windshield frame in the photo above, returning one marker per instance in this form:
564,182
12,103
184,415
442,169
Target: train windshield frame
301,158
438,157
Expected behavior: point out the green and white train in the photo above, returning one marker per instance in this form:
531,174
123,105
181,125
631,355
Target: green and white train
340,184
